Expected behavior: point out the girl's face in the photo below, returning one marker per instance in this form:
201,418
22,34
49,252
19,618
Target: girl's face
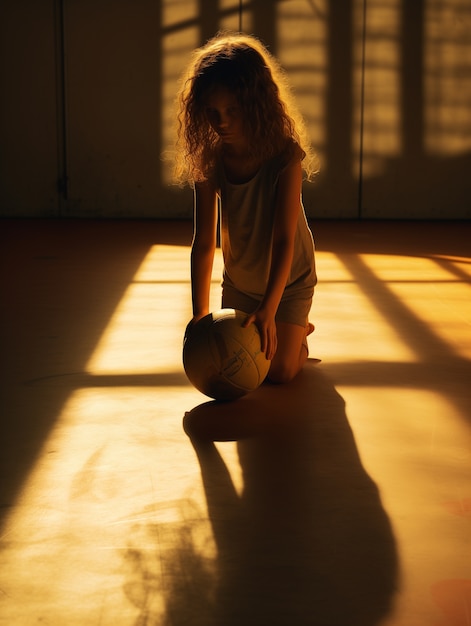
224,115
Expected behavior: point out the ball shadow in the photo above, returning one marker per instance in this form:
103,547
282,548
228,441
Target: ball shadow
308,541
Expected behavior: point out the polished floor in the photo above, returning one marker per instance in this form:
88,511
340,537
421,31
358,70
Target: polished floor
130,499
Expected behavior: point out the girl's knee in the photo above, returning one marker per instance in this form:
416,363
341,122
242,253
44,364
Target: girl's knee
292,352
283,370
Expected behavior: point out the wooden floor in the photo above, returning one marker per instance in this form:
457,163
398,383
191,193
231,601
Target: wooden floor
341,499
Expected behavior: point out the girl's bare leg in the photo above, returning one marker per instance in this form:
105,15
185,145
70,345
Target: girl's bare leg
291,353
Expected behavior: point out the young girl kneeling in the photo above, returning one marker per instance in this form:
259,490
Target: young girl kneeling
242,146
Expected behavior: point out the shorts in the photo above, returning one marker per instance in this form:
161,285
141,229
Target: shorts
291,310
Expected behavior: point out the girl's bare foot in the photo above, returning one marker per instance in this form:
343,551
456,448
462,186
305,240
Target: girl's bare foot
309,330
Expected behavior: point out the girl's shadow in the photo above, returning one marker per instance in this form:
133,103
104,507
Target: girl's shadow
308,541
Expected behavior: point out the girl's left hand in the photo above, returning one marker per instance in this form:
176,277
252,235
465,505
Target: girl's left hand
266,325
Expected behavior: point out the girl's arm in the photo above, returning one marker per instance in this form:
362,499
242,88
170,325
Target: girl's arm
284,230
203,247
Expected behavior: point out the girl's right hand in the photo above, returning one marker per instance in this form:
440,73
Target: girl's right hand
266,325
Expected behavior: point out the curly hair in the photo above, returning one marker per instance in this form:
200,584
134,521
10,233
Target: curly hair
273,124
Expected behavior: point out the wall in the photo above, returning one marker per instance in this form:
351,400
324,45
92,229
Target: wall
88,86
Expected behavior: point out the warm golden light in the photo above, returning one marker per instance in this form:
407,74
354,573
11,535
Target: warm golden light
432,290
302,35
378,64
447,80
114,512
180,35
159,295
351,325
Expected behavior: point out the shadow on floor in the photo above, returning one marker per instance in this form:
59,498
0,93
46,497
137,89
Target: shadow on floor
308,541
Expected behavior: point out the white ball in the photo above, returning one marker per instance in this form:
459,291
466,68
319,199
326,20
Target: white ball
222,359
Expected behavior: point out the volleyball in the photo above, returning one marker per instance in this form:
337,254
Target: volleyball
221,358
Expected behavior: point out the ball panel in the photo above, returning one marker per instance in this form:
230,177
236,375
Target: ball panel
233,360
229,323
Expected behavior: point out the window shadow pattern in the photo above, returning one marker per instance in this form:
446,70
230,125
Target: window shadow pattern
385,88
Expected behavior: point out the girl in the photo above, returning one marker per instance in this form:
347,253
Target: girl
242,146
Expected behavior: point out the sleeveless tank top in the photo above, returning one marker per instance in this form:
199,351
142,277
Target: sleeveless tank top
247,213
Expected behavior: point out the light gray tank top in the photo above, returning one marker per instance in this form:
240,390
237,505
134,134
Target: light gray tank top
247,215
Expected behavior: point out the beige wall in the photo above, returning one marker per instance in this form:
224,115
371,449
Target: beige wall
87,92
